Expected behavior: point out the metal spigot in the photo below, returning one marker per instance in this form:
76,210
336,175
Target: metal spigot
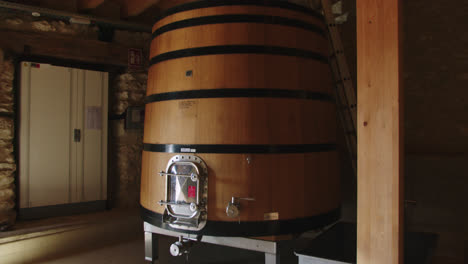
233,207
180,247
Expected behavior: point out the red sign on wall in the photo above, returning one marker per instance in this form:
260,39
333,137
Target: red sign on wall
135,58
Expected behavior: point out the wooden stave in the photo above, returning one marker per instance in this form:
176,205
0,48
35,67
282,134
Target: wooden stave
225,167
170,76
184,10
261,121
168,73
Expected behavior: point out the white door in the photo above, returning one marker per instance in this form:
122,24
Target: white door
58,166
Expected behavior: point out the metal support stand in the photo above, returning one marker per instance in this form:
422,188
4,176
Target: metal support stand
270,248
272,258
150,245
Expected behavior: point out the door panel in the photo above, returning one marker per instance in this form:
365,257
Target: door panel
93,135
54,168
50,136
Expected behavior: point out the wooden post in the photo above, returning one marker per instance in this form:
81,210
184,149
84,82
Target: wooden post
380,138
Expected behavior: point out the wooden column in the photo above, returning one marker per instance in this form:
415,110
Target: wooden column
380,137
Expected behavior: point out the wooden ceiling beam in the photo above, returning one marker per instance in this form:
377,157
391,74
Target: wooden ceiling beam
66,47
130,8
88,4
69,6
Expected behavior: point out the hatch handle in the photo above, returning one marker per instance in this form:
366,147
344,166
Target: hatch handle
193,176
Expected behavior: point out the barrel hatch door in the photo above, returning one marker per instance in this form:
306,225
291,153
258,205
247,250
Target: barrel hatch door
186,192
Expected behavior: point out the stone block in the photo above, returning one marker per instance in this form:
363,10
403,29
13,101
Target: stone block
6,128
44,26
15,22
120,107
137,98
6,156
6,206
6,182
8,71
7,219
6,90
6,86
6,98
7,167
7,194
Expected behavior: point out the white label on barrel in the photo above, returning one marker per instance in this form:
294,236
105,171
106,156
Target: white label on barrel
187,104
188,150
271,216
188,109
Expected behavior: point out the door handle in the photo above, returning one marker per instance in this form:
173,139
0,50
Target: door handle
77,135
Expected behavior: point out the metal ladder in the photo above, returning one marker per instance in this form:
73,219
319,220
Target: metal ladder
345,93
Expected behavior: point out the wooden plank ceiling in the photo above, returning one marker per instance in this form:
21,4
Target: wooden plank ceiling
137,11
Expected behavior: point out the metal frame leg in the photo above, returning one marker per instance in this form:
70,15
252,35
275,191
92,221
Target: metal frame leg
148,246
270,248
272,258
151,246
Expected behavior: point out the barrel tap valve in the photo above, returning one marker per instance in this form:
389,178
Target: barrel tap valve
180,247
233,207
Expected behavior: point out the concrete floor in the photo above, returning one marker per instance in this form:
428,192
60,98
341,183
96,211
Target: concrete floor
116,237
105,237
123,253
133,252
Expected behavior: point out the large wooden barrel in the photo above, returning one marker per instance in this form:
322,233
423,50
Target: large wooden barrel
243,88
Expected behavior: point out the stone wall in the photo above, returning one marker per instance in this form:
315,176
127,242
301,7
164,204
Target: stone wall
7,131
126,145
